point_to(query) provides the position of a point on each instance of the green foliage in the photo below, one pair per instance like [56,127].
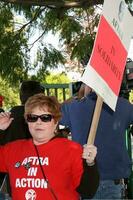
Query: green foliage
[49,57]
[76,28]
[15,62]
[70,28]
[11,96]
[83,47]
[58,78]
[13,59]
[50,20]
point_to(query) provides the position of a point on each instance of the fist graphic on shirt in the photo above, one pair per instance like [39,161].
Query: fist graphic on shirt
[30,195]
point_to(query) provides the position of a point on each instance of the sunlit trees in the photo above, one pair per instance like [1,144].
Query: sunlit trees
[75,27]
[74,21]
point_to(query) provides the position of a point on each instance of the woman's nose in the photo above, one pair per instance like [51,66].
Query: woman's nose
[39,121]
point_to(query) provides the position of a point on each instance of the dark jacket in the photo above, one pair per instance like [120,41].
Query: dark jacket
[112,157]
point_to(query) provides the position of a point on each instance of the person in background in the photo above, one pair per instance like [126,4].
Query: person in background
[113,161]
[83,91]
[1,110]
[39,169]
[18,129]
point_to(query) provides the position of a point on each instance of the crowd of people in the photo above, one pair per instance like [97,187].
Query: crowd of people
[49,165]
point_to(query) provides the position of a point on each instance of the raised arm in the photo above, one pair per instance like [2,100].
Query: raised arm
[5,120]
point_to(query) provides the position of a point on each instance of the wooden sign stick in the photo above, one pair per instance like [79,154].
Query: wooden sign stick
[95,120]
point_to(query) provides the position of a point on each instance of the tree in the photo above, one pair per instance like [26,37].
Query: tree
[63,3]
[57,4]
[69,25]
[74,21]
[10,94]
[12,57]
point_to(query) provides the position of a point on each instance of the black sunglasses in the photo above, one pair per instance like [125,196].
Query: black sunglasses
[34,118]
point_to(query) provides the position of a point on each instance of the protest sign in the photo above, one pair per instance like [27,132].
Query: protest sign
[105,68]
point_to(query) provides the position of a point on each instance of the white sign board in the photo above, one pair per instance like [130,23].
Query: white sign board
[105,68]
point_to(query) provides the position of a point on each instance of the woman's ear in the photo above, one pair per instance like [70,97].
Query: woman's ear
[56,128]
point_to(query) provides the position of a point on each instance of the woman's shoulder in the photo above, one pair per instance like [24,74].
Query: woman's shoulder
[18,143]
[69,143]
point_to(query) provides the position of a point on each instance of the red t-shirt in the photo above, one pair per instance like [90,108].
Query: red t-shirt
[61,160]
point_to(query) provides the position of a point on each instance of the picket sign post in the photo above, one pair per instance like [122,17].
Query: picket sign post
[95,120]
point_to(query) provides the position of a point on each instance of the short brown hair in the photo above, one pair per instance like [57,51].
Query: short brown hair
[41,101]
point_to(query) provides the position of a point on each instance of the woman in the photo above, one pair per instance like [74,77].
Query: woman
[46,166]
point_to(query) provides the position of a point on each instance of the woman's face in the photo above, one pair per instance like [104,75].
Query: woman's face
[41,131]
